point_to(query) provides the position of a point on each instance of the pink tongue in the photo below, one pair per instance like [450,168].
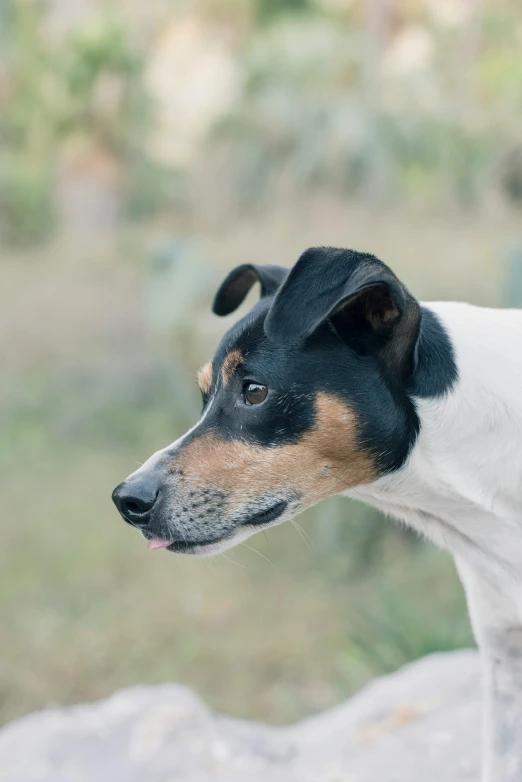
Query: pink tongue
[158,543]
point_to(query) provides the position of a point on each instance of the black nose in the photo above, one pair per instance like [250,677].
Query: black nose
[136,498]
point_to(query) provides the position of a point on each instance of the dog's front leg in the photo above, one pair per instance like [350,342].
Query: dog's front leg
[498,632]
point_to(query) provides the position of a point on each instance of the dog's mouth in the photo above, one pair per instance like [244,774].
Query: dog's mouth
[187,546]
[261,519]
[267,516]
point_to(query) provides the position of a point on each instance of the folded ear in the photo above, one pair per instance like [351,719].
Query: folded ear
[369,307]
[236,286]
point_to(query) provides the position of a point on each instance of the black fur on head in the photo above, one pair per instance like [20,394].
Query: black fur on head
[371,310]
[368,306]
[237,284]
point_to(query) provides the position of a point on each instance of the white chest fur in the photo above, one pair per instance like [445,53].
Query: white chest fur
[462,485]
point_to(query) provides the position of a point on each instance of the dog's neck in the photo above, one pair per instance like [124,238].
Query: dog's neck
[462,481]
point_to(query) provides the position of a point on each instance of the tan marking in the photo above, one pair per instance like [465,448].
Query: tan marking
[205,378]
[230,364]
[327,461]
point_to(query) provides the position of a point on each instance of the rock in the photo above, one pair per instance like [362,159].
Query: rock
[420,723]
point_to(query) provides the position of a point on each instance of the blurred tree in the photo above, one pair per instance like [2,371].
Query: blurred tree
[27,126]
[102,73]
[107,113]
[267,10]
[65,102]
[27,212]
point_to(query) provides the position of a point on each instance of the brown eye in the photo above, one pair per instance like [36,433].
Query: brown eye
[254,393]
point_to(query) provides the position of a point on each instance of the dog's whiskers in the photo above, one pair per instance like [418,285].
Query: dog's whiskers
[261,555]
[304,535]
[229,559]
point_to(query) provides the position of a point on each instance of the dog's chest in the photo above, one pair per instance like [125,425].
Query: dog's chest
[453,510]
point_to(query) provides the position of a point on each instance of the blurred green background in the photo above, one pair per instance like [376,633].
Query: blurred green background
[145,149]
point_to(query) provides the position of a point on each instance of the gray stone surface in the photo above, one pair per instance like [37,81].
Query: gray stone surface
[422,723]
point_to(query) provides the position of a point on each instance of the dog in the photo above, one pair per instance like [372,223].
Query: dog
[338,381]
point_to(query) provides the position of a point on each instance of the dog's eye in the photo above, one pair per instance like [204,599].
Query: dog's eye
[254,393]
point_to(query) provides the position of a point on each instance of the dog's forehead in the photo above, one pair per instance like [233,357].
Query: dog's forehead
[246,335]
[246,345]
[242,340]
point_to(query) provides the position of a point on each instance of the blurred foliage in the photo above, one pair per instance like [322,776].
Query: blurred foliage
[267,10]
[27,213]
[102,78]
[148,186]
[27,128]
[416,105]
[307,108]
[392,626]
[89,87]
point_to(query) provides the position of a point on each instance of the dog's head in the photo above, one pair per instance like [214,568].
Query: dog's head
[307,396]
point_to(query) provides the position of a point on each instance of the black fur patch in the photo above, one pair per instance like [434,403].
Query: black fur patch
[237,284]
[435,369]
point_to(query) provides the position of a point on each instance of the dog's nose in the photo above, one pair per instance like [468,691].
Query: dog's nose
[136,498]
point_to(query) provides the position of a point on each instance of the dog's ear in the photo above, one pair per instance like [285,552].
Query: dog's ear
[371,310]
[236,286]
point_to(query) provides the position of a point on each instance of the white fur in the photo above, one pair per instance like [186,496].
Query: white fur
[462,488]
